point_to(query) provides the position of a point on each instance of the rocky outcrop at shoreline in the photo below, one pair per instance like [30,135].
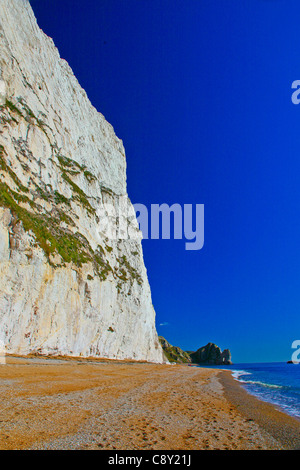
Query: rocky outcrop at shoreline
[209,354]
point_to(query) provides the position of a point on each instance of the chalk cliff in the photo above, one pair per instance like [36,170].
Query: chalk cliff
[65,286]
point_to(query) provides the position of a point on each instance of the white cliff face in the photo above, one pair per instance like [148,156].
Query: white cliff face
[64,287]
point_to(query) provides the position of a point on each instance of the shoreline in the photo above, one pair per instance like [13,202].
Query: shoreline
[54,404]
[279,424]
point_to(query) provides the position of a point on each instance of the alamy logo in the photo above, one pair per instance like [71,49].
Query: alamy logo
[125,221]
[296,354]
[296,95]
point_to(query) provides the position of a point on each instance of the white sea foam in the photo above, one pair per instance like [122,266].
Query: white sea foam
[238,373]
[263,384]
[283,393]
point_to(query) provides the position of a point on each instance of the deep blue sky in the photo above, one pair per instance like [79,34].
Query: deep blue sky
[200,93]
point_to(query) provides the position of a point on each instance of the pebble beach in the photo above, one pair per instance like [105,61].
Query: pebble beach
[73,403]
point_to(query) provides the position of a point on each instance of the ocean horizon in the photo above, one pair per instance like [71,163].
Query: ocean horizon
[277,383]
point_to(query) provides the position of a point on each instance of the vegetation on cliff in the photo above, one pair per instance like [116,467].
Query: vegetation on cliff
[54,229]
[174,353]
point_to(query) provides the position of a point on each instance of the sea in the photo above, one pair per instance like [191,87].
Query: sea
[276,382]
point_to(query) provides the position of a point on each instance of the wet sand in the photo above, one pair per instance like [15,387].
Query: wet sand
[87,404]
[284,428]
